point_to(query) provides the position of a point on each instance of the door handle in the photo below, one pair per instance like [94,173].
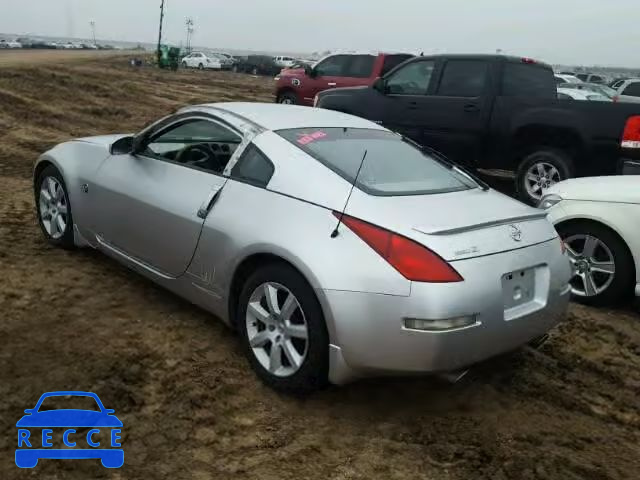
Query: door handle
[332,84]
[413,105]
[208,204]
[471,108]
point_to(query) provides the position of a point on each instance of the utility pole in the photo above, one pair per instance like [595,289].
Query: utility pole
[93,28]
[159,52]
[190,30]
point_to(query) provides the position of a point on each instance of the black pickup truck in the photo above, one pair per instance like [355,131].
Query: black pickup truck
[498,112]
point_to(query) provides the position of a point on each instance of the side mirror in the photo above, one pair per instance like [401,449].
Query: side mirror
[380,85]
[109,411]
[309,71]
[29,411]
[123,146]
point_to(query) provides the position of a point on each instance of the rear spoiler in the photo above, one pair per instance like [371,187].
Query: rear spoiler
[467,228]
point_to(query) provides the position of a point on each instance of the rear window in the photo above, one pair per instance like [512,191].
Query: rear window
[391,166]
[523,80]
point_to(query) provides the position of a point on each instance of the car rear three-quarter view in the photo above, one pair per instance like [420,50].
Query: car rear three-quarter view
[336,248]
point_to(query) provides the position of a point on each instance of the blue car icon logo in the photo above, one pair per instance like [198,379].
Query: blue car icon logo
[42,429]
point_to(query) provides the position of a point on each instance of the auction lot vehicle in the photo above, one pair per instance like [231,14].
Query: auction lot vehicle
[598,218]
[629,90]
[593,87]
[562,79]
[498,112]
[257,65]
[201,61]
[335,247]
[570,93]
[299,86]
[10,44]
[284,61]
[59,429]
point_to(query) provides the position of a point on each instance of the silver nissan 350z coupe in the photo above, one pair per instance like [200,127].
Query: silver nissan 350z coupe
[335,247]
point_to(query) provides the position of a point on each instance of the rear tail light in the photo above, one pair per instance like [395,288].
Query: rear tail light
[414,261]
[631,135]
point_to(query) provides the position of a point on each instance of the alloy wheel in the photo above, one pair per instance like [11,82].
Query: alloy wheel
[593,265]
[53,207]
[539,177]
[277,329]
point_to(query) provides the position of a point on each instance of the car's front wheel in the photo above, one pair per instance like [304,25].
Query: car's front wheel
[288,98]
[603,268]
[53,208]
[283,330]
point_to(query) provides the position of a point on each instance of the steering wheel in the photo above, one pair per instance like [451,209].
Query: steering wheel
[200,155]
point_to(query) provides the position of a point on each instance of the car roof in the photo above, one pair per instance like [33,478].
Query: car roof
[272,116]
[488,57]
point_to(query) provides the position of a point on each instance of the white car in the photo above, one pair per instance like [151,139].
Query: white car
[562,79]
[284,62]
[598,218]
[629,91]
[201,61]
[577,94]
[10,44]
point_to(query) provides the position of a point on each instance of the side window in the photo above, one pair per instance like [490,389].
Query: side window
[253,167]
[632,90]
[392,61]
[463,78]
[412,79]
[361,66]
[523,80]
[335,66]
[194,142]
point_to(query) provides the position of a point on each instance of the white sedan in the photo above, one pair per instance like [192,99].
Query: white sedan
[598,218]
[578,94]
[201,61]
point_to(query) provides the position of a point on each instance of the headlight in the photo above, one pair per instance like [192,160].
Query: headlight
[549,201]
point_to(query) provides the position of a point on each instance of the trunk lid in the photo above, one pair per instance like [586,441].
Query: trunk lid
[457,225]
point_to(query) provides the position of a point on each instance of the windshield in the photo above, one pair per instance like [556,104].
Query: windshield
[73,402]
[391,166]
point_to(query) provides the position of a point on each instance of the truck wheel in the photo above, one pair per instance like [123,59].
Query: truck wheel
[288,98]
[539,170]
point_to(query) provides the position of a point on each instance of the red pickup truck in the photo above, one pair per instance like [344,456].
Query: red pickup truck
[299,86]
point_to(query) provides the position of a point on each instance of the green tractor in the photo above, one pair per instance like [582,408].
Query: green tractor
[168,57]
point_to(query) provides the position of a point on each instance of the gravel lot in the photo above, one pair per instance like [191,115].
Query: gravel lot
[192,408]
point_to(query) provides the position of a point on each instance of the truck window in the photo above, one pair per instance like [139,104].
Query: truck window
[463,78]
[412,79]
[361,66]
[335,66]
[392,61]
[632,90]
[524,80]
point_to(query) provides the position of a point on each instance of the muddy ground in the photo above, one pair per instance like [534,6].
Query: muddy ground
[191,406]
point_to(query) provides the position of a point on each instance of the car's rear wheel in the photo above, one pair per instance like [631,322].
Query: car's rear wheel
[200,66]
[603,267]
[54,208]
[283,330]
[540,170]
[288,98]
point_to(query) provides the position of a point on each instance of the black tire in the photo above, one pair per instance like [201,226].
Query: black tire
[184,64]
[313,373]
[200,67]
[289,98]
[623,283]
[66,240]
[559,159]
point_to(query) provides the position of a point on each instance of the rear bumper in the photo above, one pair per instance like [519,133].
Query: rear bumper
[371,339]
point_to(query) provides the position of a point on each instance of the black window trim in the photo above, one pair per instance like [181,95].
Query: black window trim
[166,123]
[249,146]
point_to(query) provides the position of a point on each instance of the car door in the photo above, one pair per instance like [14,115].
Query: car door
[149,206]
[327,74]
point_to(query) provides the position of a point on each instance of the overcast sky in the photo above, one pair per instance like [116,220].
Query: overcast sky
[557,31]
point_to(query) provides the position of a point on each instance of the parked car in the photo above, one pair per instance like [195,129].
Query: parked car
[496,112]
[232,60]
[257,65]
[299,86]
[220,210]
[564,79]
[592,87]
[10,44]
[598,218]
[592,78]
[284,62]
[577,94]
[201,61]
[629,91]
[615,84]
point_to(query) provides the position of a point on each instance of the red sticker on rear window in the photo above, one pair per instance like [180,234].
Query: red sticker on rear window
[307,138]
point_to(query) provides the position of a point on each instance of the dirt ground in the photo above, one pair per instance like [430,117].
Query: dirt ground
[190,405]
